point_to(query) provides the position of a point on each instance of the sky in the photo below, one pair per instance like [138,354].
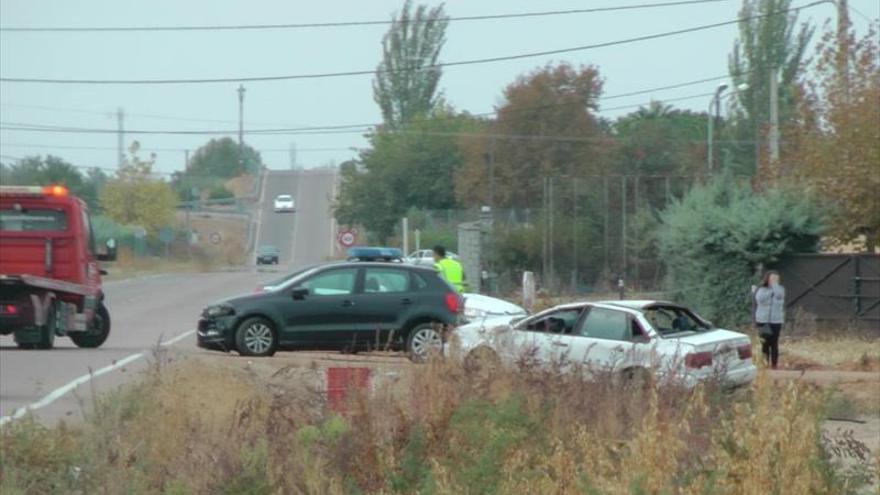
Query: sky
[320,102]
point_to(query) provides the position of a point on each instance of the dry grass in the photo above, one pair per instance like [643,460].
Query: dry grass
[847,352]
[197,428]
[129,266]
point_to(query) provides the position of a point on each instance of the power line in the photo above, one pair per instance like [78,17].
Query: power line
[520,56]
[239,27]
[107,148]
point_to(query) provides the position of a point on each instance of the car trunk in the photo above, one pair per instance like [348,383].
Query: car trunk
[723,345]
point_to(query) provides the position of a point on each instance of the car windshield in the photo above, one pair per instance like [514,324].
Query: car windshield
[669,320]
[267,249]
[27,220]
[284,198]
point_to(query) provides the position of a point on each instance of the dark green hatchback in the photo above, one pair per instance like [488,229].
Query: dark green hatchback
[349,306]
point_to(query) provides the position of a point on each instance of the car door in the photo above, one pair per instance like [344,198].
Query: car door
[324,316]
[387,300]
[609,340]
[541,338]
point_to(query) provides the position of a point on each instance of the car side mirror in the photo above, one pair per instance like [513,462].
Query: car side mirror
[110,252]
[299,293]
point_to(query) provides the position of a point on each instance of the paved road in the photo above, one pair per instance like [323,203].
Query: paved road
[147,310]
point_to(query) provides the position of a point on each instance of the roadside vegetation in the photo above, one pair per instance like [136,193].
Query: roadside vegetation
[440,428]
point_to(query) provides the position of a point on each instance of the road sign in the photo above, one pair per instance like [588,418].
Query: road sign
[346,238]
[216,238]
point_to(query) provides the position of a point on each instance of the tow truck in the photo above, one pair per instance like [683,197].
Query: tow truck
[50,277]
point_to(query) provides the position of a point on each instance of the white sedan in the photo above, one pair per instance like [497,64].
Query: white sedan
[284,203]
[622,337]
[425,257]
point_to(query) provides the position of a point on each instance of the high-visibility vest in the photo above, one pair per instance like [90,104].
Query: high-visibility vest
[452,271]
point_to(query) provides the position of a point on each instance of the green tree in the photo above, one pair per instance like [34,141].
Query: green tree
[660,140]
[545,127]
[766,42]
[411,168]
[406,82]
[713,239]
[220,158]
[136,197]
[52,170]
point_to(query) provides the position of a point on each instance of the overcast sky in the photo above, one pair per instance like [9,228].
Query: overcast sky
[318,102]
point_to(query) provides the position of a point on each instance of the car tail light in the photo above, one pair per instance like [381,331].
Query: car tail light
[8,309]
[453,302]
[697,360]
[744,351]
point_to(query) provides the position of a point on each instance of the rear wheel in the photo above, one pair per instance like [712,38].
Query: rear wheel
[256,337]
[45,332]
[98,331]
[423,340]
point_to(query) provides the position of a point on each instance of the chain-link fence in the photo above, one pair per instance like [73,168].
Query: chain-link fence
[579,234]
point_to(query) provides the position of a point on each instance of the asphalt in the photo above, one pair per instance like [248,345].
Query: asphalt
[149,310]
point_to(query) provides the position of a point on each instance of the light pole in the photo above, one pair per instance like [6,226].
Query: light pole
[712,118]
[710,126]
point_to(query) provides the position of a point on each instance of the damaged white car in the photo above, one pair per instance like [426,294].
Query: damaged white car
[626,338]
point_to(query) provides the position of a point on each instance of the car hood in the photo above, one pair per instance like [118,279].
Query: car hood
[240,300]
[710,338]
[491,305]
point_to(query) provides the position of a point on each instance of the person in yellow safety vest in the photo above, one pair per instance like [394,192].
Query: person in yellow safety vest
[449,269]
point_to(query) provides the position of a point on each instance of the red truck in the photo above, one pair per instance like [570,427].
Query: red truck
[50,279]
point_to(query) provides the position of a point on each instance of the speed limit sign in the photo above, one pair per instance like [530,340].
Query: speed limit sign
[346,238]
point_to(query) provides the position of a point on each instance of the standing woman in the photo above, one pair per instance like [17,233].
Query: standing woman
[770,315]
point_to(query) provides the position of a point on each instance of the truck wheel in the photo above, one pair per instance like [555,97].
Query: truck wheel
[256,337]
[97,334]
[422,340]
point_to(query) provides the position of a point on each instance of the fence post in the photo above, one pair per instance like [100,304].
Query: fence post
[528,291]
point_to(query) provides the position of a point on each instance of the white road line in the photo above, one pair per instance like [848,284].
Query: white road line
[65,389]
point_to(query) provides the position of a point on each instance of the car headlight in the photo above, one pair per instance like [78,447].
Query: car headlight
[219,310]
[474,313]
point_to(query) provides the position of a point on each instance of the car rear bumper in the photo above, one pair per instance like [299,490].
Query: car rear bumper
[742,375]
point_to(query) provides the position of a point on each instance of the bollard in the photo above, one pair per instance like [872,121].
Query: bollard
[528,291]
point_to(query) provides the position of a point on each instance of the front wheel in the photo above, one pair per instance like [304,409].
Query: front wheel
[98,331]
[256,337]
[423,340]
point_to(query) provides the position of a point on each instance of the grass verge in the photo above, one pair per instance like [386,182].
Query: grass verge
[441,429]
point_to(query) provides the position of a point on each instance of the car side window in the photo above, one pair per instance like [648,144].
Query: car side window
[332,283]
[560,322]
[418,282]
[382,280]
[606,324]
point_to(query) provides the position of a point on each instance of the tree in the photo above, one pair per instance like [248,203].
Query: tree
[52,170]
[660,140]
[714,238]
[766,43]
[545,127]
[403,169]
[220,159]
[838,136]
[135,197]
[406,80]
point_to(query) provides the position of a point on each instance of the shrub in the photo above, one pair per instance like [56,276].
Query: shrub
[714,238]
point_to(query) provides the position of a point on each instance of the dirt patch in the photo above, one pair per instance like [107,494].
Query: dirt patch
[865,363]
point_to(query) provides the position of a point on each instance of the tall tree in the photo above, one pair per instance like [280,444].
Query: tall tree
[769,40]
[219,158]
[411,168]
[838,136]
[136,197]
[407,78]
[545,127]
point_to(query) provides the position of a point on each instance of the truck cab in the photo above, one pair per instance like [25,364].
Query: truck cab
[50,276]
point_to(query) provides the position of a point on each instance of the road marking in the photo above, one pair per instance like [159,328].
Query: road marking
[65,389]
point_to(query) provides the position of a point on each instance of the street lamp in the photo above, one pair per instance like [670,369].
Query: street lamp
[711,119]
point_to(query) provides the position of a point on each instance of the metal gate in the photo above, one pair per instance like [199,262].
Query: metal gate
[837,288]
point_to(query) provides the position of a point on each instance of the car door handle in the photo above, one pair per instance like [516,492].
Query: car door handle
[406,301]
[347,303]
[560,344]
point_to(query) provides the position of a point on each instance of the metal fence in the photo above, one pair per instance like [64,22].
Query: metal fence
[578,234]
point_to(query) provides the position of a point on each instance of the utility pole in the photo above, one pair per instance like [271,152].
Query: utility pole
[120,136]
[843,25]
[492,169]
[774,115]
[292,156]
[241,91]
[185,160]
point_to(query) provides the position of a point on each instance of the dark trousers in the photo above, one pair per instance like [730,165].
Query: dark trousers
[770,345]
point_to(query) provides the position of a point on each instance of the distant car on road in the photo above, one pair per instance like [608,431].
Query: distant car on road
[627,338]
[284,203]
[346,306]
[267,255]
[425,257]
